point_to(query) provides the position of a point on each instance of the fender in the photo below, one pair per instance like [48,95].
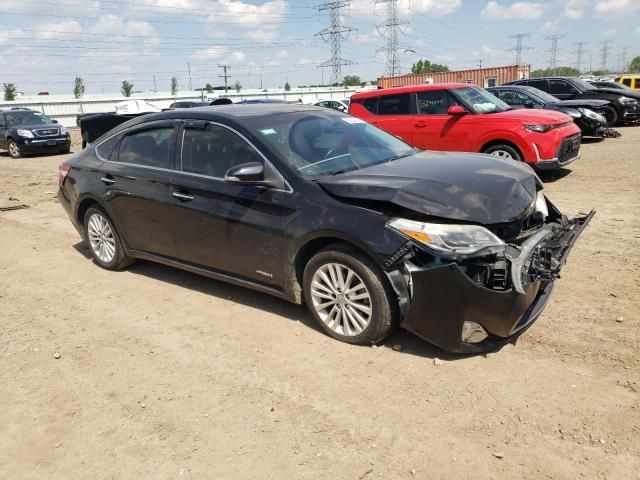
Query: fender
[510,136]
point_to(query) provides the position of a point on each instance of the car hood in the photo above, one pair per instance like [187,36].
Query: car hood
[465,187]
[529,115]
[581,103]
[621,93]
[36,127]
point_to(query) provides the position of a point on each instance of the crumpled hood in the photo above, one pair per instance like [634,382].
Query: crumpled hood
[461,186]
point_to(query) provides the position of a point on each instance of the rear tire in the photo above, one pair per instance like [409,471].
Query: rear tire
[611,115]
[349,296]
[103,240]
[14,149]
[504,150]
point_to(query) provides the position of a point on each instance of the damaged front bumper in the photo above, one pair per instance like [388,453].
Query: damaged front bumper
[444,297]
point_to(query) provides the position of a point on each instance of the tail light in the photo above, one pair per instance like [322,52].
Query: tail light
[64,169]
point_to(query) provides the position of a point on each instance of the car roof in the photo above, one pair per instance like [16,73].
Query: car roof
[411,88]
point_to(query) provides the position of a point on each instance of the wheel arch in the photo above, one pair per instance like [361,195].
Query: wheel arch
[502,141]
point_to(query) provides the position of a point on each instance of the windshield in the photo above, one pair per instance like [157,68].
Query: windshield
[318,144]
[582,85]
[544,96]
[26,118]
[479,100]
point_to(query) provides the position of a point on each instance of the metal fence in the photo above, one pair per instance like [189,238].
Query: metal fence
[65,109]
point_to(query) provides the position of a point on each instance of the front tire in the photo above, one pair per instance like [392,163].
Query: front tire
[103,240]
[349,296]
[611,115]
[14,149]
[504,150]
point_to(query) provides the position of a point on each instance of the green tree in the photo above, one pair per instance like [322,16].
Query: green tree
[174,86]
[425,66]
[78,88]
[558,71]
[209,88]
[351,81]
[237,86]
[634,66]
[9,91]
[127,88]
[287,87]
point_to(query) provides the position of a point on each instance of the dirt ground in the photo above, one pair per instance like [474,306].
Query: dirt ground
[164,374]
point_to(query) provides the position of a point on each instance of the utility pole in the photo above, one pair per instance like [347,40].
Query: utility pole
[155,85]
[553,51]
[579,52]
[623,59]
[334,35]
[604,54]
[480,60]
[225,75]
[519,48]
[189,69]
[390,30]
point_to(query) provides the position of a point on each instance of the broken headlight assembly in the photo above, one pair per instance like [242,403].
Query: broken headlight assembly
[449,240]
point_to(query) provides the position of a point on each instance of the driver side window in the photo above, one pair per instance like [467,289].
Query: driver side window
[514,98]
[214,150]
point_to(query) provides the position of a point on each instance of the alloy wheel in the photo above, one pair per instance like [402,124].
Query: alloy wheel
[341,299]
[14,150]
[502,154]
[101,238]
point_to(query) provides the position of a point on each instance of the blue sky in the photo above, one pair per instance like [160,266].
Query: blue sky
[46,43]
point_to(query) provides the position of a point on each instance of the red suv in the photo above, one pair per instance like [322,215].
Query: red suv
[462,117]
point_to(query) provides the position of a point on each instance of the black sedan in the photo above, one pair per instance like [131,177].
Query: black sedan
[625,106]
[315,206]
[587,114]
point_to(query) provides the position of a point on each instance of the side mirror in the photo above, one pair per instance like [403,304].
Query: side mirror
[251,173]
[54,121]
[529,104]
[456,110]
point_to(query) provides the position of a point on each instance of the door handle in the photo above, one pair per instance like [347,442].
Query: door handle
[420,125]
[108,180]
[185,197]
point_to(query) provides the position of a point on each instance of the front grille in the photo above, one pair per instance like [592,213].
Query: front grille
[47,132]
[569,148]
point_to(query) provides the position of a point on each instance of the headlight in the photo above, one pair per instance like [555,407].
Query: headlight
[25,133]
[541,205]
[63,131]
[446,239]
[574,113]
[591,114]
[539,128]
[628,101]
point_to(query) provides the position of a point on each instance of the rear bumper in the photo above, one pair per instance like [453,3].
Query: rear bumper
[445,297]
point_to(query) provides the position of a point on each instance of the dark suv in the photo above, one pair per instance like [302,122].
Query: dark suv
[625,106]
[25,132]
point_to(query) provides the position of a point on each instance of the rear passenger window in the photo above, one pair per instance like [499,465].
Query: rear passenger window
[434,102]
[215,150]
[394,104]
[627,82]
[539,84]
[371,104]
[105,149]
[560,87]
[149,148]
[511,97]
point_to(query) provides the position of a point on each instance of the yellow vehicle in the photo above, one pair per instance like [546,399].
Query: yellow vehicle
[631,81]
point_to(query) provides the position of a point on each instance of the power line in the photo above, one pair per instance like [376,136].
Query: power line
[390,30]
[553,51]
[604,54]
[334,35]
[579,52]
[519,48]
[623,60]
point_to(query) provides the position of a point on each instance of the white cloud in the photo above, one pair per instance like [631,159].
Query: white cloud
[574,9]
[550,25]
[518,11]
[637,30]
[262,36]
[435,8]
[608,33]
[238,56]
[616,7]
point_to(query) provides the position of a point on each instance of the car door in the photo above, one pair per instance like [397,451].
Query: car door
[136,179]
[230,228]
[434,128]
[3,132]
[562,89]
[393,114]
